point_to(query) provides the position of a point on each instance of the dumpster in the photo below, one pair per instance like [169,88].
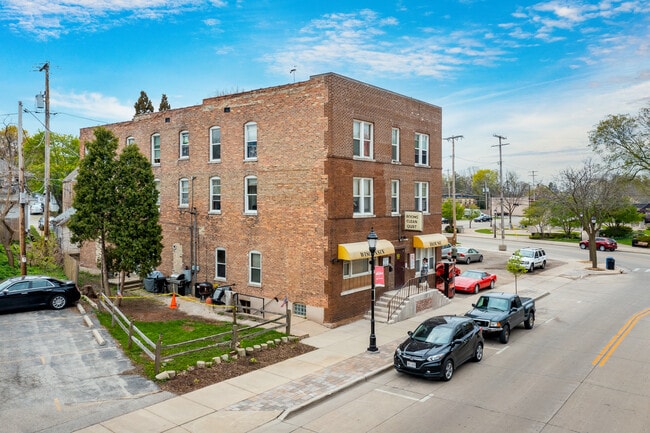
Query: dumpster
[609,263]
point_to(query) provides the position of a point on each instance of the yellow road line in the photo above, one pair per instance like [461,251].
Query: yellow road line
[609,349]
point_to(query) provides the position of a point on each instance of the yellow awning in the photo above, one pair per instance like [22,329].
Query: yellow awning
[359,250]
[430,241]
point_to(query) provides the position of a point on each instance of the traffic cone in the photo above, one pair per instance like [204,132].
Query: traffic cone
[173,303]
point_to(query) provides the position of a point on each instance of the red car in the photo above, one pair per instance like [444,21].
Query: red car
[473,281]
[601,243]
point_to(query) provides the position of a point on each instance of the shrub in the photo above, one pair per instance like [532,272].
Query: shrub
[616,232]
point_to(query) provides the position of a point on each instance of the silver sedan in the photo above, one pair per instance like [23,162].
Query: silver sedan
[468,255]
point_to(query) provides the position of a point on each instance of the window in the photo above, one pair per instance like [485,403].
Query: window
[395,145]
[362,196]
[394,197]
[130,140]
[184,192]
[157,183]
[184,144]
[362,139]
[255,268]
[356,268]
[300,310]
[422,196]
[215,195]
[220,264]
[215,143]
[250,194]
[421,149]
[155,149]
[250,136]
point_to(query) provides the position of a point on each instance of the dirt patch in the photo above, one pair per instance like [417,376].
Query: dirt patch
[148,310]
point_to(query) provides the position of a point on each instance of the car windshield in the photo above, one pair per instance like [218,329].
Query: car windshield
[526,253]
[492,303]
[433,334]
[476,275]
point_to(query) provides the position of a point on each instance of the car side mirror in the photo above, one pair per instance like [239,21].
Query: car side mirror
[474,305]
[410,333]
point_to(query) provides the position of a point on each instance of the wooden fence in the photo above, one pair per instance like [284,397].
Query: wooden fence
[228,339]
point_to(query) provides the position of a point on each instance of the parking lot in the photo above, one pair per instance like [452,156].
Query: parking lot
[56,376]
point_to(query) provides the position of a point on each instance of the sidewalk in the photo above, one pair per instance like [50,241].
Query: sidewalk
[247,402]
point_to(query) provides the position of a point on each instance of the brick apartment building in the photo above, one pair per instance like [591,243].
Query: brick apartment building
[276,190]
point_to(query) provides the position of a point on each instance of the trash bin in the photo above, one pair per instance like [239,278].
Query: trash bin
[203,290]
[155,282]
[609,263]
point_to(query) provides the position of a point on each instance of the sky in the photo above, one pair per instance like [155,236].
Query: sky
[542,74]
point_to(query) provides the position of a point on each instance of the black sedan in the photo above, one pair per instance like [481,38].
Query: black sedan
[438,346]
[37,291]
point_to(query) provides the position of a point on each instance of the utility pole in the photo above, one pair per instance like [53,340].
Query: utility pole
[502,247]
[532,173]
[21,193]
[453,139]
[46,180]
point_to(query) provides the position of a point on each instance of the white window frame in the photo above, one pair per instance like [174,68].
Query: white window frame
[157,184]
[250,137]
[362,147]
[248,205]
[421,149]
[252,268]
[215,146]
[395,157]
[218,264]
[130,140]
[184,144]
[356,268]
[394,197]
[362,196]
[422,197]
[215,194]
[184,192]
[155,149]
[430,254]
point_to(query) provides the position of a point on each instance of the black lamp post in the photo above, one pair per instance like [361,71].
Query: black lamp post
[372,246]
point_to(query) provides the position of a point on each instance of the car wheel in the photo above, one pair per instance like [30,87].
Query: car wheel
[478,352]
[583,246]
[492,284]
[480,258]
[544,264]
[530,322]
[505,334]
[58,302]
[448,370]
[531,268]
[476,289]
[601,248]
[468,261]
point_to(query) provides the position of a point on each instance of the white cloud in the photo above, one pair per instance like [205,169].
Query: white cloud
[93,105]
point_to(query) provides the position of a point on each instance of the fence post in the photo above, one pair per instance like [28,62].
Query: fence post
[130,335]
[156,367]
[288,322]
[233,340]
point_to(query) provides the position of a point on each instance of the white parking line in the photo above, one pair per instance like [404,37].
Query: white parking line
[399,395]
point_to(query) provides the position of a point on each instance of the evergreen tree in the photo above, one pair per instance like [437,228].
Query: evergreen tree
[164,104]
[94,199]
[143,104]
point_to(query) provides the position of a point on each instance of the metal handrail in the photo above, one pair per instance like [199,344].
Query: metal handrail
[412,287]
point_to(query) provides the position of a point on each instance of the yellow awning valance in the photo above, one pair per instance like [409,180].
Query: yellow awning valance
[430,241]
[359,250]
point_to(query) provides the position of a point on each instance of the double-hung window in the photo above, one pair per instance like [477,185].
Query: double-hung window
[394,197]
[362,139]
[250,195]
[362,196]
[255,268]
[215,195]
[422,196]
[157,184]
[250,138]
[220,264]
[130,140]
[215,143]
[421,149]
[184,192]
[184,144]
[395,145]
[155,149]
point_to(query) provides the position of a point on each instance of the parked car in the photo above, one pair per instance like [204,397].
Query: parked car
[446,251]
[473,281]
[532,258]
[468,255]
[36,208]
[37,291]
[602,244]
[482,218]
[438,346]
[499,313]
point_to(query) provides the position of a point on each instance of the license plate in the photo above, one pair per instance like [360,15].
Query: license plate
[410,364]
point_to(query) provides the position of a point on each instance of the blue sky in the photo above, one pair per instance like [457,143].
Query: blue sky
[541,73]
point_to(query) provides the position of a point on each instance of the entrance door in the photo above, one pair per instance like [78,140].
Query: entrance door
[400,269]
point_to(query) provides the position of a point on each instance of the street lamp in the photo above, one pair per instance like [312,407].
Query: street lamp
[372,246]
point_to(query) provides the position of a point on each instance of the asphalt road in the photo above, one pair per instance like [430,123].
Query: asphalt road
[57,378]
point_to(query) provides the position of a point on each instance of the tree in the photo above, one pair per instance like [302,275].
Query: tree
[64,158]
[447,210]
[8,154]
[538,214]
[514,266]
[164,104]
[485,183]
[513,192]
[143,104]
[95,193]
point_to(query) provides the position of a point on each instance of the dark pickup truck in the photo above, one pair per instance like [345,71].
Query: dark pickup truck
[500,312]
